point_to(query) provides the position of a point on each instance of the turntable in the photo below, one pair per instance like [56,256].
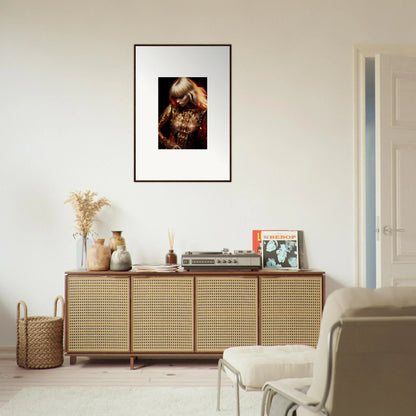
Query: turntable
[221,260]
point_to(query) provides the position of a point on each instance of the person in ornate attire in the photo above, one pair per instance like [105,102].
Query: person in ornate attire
[186,115]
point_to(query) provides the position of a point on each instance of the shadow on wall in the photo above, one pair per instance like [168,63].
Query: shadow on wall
[331,285]
[7,326]
[303,255]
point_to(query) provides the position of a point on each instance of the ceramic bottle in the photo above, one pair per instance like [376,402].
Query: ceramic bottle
[116,240]
[120,259]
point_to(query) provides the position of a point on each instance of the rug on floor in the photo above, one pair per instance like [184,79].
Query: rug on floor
[129,401]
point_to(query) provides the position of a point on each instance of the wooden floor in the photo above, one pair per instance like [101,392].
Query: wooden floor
[108,372]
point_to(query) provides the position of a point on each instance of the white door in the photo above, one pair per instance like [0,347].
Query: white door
[396,170]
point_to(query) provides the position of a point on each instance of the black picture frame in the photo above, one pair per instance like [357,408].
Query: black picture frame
[199,149]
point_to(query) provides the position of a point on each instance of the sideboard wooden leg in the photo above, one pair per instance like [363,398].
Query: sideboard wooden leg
[72,360]
[131,363]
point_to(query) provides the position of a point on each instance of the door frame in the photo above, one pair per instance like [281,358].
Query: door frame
[361,52]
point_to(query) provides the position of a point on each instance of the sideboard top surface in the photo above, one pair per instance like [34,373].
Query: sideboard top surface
[260,272]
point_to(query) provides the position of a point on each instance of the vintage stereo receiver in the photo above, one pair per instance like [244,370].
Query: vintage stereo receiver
[221,260]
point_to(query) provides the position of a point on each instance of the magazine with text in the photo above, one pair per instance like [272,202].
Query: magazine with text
[278,248]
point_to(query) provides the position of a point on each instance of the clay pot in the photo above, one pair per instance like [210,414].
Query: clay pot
[98,256]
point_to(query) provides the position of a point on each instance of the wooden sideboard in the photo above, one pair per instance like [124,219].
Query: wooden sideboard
[136,314]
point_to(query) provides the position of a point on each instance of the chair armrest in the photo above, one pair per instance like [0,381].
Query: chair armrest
[289,388]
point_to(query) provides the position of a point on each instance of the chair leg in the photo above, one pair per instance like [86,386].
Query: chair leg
[220,366]
[263,403]
[237,391]
[266,401]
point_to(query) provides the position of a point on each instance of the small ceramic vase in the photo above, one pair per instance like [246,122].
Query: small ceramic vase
[120,259]
[116,240]
[98,256]
[171,258]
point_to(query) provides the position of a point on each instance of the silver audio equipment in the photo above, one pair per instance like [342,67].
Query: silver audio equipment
[221,260]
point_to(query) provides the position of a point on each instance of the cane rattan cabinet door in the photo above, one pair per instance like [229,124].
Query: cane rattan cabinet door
[162,314]
[97,314]
[290,309]
[226,312]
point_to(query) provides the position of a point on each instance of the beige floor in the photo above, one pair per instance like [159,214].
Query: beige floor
[108,372]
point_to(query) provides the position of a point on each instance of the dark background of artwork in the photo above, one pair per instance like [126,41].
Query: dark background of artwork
[164,86]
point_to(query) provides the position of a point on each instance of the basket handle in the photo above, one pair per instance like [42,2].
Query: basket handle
[21,303]
[24,363]
[59,298]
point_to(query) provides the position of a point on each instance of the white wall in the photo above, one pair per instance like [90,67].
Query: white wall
[66,85]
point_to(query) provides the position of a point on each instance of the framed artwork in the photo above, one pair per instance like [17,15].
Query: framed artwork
[182,113]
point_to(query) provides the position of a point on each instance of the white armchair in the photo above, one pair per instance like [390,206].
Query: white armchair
[365,362]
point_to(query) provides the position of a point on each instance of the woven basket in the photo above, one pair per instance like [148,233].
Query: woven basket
[40,339]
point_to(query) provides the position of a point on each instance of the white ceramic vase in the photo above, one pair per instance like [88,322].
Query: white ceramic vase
[120,259]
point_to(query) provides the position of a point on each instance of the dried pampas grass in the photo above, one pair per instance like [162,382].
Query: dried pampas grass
[86,208]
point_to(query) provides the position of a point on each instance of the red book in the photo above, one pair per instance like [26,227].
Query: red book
[257,241]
